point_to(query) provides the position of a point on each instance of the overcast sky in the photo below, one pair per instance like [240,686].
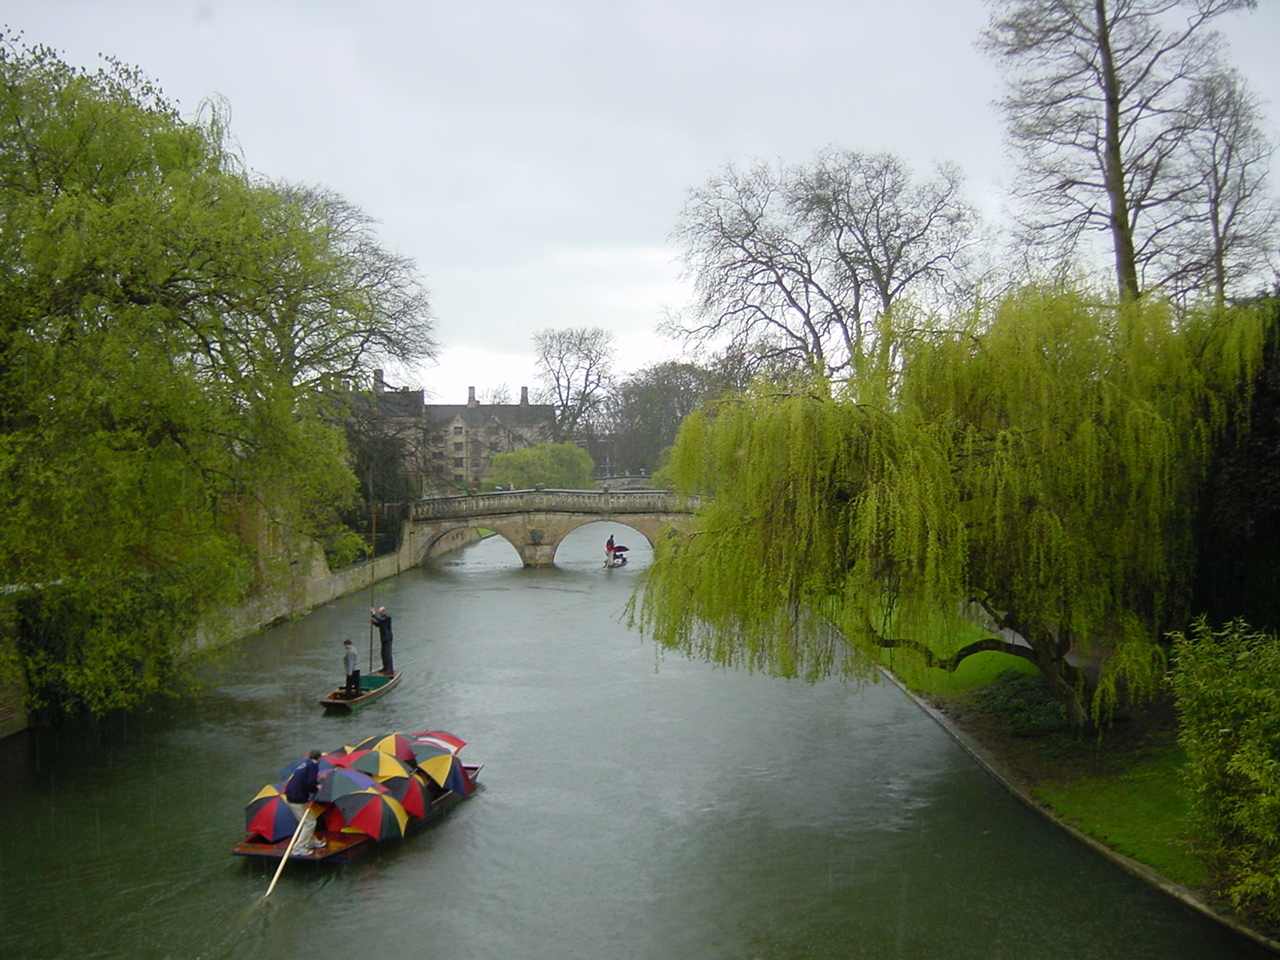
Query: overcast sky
[532,155]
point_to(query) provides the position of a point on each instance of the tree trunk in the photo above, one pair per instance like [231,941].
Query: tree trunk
[1113,174]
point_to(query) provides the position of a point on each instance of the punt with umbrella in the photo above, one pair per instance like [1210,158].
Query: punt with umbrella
[376,790]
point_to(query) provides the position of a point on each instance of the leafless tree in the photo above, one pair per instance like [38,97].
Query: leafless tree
[1106,100]
[575,365]
[793,265]
[1231,226]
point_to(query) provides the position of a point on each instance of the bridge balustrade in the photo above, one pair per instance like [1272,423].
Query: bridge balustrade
[559,501]
[535,521]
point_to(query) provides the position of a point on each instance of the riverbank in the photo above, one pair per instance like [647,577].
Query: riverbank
[1122,796]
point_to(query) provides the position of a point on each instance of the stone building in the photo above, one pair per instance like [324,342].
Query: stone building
[448,447]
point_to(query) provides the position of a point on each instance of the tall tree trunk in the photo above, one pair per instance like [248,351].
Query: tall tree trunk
[1121,225]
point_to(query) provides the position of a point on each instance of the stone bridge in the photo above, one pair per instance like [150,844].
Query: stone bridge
[535,521]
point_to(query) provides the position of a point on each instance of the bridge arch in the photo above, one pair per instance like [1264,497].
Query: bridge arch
[536,521]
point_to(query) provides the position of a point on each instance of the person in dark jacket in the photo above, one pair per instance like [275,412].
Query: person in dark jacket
[382,620]
[299,790]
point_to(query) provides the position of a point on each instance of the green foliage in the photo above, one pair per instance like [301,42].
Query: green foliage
[166,323]
[650,406]
[106,646]
[1224,682]
[563,466]
[1034,467]
[1025,703]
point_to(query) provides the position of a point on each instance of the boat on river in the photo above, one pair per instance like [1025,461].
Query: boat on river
[383,788]
[372,686]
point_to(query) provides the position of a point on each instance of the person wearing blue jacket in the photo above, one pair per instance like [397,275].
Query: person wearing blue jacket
[299,790]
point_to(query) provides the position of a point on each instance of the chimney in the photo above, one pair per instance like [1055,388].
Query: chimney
[524,396]
[379,385]
[471,397]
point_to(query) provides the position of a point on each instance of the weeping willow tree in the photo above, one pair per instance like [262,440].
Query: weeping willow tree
[1022,481]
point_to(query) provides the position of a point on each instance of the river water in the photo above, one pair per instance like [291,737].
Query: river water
[633,806]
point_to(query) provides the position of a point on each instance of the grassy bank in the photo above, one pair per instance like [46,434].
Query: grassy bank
[1124,789]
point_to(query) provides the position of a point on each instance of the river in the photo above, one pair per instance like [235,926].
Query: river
[634,806]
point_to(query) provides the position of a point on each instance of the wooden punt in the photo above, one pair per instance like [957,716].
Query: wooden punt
[372,686]
[343,847]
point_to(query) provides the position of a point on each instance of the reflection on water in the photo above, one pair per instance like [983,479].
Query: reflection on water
[634,806]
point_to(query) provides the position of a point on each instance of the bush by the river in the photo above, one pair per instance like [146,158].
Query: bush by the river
[1225,684]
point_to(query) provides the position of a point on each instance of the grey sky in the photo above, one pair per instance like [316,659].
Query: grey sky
[532,155]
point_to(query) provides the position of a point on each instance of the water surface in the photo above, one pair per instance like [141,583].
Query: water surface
[633,806]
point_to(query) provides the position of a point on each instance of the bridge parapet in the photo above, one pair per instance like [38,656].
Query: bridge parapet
[535,521]
[554,501]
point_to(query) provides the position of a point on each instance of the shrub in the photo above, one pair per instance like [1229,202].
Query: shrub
[1225,688]
[1025,703]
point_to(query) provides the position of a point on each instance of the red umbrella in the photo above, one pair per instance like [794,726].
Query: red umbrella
[374,812]
[396,744]
[340,781]
[438,738]
[269,815]
[375,763]
[411,794]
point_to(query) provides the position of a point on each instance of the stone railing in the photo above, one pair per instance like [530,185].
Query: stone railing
[506,503]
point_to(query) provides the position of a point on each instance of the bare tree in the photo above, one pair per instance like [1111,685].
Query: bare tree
[793,265]
[1105,99]
[1231,227]
[575,365]
[501,394]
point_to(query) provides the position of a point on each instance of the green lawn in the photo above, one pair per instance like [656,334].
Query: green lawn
[1125,790]
[1139,808]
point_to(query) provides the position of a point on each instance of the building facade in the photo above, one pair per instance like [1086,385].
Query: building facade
[448,448]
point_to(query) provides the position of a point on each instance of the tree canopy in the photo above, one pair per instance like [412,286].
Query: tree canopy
[575,365]
[649,406]
[794,265]
[1022,480]
[1128,122]
[167,323]
[565,466]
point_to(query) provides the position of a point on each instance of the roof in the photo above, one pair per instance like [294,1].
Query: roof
[507,414]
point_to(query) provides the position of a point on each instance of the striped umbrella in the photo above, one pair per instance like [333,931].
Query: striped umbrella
[375,763]
[340,781]
[269,815]
[396,744]
[374,812]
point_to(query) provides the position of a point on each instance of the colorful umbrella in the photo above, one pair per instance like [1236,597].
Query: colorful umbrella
[438,738]
[435,762]
[396,744]
[411,794]
[326,762]
[269,815]
[340,781]
[374,812]
[459,781]
[446,771]
[375,763]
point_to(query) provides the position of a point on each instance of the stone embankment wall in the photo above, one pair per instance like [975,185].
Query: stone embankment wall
[302,584]
[309,583]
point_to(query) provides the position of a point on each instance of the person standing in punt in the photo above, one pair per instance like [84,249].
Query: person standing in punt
[382,620]
[299,791]
[351,664]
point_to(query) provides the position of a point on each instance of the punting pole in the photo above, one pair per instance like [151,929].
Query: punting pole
[287,851]
[373,561]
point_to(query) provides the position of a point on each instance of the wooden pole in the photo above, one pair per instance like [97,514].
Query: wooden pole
[288,851]
[373,553]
